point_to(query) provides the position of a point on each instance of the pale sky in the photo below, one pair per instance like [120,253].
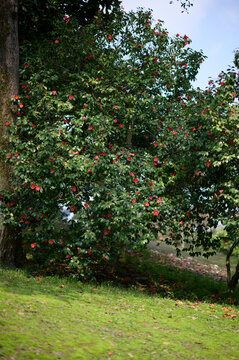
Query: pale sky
[212,25]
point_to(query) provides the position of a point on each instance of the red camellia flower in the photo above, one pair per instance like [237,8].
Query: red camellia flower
[156,212]
[131,174]
[72,208]
[21,105]
[135,180]
[207,163]
[90,127]
[53,92]
[33,245]
[32,186]
[50,242]
[11,203]
[146,204]
[38,188]
[26,65]
[134,201]
[110,37]
[56,41]
[7,123]
[86,205]
[106,232]
[67,256]
[73,188]
[52,171]
[71,97]
[51,159]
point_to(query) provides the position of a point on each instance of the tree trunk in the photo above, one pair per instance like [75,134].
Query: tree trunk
[10,243]
[231,280]
[232,283]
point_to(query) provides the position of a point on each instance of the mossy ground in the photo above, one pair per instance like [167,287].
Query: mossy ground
[54,318]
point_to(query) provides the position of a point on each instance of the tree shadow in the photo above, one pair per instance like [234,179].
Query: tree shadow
[152,272]
[144,272]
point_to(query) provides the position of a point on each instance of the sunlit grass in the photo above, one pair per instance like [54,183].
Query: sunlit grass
[54,318]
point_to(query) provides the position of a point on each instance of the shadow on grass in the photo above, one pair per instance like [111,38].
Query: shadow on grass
[150,272]
[145,272]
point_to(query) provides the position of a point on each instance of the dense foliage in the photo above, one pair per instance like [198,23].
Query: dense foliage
[112,145]
[36,17]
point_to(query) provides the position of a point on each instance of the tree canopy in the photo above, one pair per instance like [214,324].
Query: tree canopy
[36,17]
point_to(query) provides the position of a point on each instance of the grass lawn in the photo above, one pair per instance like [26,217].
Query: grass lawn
[55,318]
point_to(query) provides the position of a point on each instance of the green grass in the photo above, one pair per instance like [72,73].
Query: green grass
[54,318]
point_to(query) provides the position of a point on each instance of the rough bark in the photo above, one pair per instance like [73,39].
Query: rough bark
[130,134]
[10,244]
[232,281]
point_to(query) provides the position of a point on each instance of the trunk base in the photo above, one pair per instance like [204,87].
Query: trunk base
[11,251]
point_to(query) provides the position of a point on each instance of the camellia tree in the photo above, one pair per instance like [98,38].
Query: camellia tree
[212,117]
[31,22]
[219,150]
[109,130]
[97,104]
